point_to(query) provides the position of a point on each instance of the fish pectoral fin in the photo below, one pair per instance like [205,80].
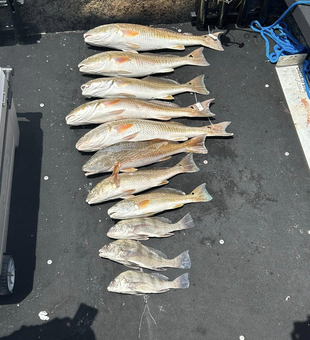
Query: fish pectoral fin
[178,206]
[123,127]
[122,83]
[166,70]
[108,103]
[116,112]
[128,194]
[128,33]
[129,170]
[168,97]
[167,235]
[179,139]
[133,46]
[130,137]
[163,183]
[178,47]
[163,118]
[128,95]
[121,59]
[143,204]
[164,159]
[123,73]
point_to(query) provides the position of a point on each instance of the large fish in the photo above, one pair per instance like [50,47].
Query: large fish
[130,155]
[129,64]
[134,254]
[144,227]
[142,130]
[158,200]
[105,110]
[139,283]
[146,88]
[132,37]
[126,184]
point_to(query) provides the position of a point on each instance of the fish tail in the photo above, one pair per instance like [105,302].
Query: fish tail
[196,145]
[186,222]
[200,194]
[197,58]
[183,260]
[218,130]
[197,85]
[212,41]
[187,164]
[201,109]
[181,281]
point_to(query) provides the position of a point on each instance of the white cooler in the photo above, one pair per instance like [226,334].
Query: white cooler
[9,139]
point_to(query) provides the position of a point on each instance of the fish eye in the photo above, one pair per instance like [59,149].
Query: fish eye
[192,107]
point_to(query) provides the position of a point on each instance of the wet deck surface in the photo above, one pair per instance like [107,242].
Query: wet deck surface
[250,247]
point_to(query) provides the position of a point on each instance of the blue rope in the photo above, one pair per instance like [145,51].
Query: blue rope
[286,43]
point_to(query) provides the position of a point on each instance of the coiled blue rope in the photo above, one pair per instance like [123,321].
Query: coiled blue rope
[286,43]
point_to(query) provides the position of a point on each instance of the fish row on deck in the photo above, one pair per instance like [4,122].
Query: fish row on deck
[128,137]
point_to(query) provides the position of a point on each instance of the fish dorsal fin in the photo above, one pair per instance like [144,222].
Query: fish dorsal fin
[169,191]
[163,103]
[161,219]
[158,252]
[160,276]
[162,81]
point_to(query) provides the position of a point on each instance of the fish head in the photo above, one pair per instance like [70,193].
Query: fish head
[108,251]
[122,210]
[118,285]
[99,162]
[97,87]
[95,64]
[119,230]
[81,114]
[95,139]
[101,35]
[102,192]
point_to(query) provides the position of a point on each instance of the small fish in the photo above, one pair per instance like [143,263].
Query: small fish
[142,130]
[144,227]
[139,283]
[131,155]
[134,254]
[126,184]
[158,200]
[132,37]
[105,110]
[146,88]
[128,64]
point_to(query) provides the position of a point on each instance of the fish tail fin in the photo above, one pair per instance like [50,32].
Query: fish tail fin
[186,222]
[197,58]
[197,85]
[181,281]
[183,260]
[187,164]
[218,130]
[200,194]
[201,109]
[196,145]
[212,41]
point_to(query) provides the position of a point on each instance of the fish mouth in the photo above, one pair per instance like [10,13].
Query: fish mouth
[70,119]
